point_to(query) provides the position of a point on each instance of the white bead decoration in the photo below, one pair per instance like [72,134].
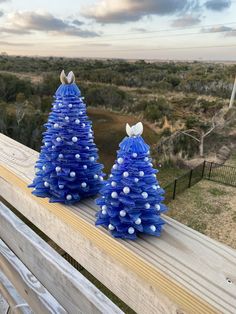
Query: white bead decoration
[72,174]
[154,187]
[56,125]
[60,105]
[67,118]
[85,166]
[126,190]
[58,169]
[104,212]
[69,197]
[113,183]
[44,167]
[153,228]
[53,146]
[150,164]
[131,230]
[114,195]
[157,206]
[46,184]
[47,144]
[125,174]
[61,186]
[138,221]
[122,213]
[77,121]
[83,184]
[147,205]
[136,180]
[158,186]
[120,160]
[101,178]
[146,159]
[111,227]
[141,173]
[134,155]
[115,166]
[87,147]
[144,195]
[92,158]
[83,125]
[60,156]
[95,176]
[70,105]
[77,156]
[74,139]
[104,207]
[81,112]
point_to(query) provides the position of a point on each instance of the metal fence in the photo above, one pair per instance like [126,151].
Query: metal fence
[206,170]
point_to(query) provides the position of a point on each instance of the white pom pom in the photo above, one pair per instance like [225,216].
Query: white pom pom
[70,105]
[61,186]
[77,121]
[101,178]
[69,197]
[138,221]
[111,227]
[104,207]
[83,125]
[146,159]
[60,156]
[85,166]
[157,206]
[120,160]
[154,175]
[44,168]
[147,205]
[92,158]
[95,176]
[153,228]
[141,173]
[90,135]
[134,155]
[83,184]
[113,183]
[53,146]
[87,147]
[144,195]
[72,174]
[104,212]
[115,166]
[58,139]
[67,118]
[122,213]
[46,184]
[111,175]
[150,164]
[56,125]
[77,156]
[58,169]
[126,190]
[158,187]
[114,195]
[60,105]
[125,174]
[136,180]
[131,230]
[154,187]
[81,112]
[74,139]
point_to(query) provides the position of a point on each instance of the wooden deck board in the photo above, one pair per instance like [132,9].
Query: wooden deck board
[182,270]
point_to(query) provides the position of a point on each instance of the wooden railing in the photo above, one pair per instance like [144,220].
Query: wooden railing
[183,271]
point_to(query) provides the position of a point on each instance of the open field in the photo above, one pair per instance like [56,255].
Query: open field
[209,208]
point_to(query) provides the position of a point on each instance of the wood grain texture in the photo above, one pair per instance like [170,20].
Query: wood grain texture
[12,297]
[35,294]
[181,271]
[73,291]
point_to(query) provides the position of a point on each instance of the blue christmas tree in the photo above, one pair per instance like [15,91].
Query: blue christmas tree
[67,168]
[131,201]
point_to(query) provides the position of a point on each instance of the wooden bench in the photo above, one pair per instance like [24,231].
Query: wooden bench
[183,271]
[45,281]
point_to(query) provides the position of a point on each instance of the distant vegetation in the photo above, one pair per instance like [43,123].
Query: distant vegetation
[170,95]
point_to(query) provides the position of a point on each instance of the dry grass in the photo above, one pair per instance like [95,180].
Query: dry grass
[209,208]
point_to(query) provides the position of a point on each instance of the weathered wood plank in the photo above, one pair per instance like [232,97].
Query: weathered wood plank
[74,292]
[35,294]
[182,270]
[12,297]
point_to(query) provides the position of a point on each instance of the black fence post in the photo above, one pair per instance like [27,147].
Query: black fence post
[174,191]
[203,168]
[190,178]
[209,175]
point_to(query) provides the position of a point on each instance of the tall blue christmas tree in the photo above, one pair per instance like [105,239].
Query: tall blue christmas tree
[131,201]
[67,168]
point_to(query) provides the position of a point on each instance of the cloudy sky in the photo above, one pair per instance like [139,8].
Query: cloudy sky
[136,29]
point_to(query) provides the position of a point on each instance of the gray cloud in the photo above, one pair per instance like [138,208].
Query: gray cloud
[217,5]
[7,43]
[217,29]
[27,22]
[77,22]
[1,13]
[111,11]
[186,20]
[139,29]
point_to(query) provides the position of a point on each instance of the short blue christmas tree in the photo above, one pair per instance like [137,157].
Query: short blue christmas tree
[131,201]
[67,168]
